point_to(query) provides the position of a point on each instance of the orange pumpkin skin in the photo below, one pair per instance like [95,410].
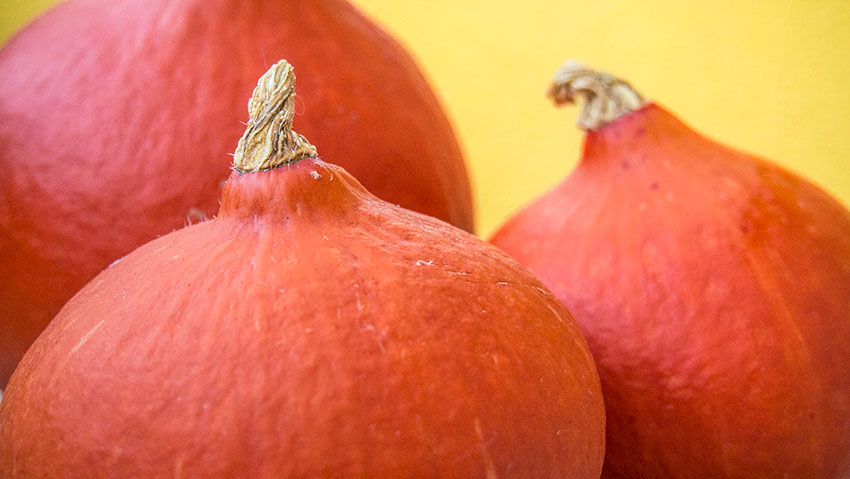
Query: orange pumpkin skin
[310,330]
[714,291]
[102,101]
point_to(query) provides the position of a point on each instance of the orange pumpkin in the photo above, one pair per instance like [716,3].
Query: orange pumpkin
[309,330]
[102,102]
[713,288]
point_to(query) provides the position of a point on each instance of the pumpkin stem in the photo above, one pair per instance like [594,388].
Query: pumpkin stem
[606,97]
[269,141]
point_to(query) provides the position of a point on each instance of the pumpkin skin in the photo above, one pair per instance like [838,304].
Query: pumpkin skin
[309,330]
[102,101]
[714,291]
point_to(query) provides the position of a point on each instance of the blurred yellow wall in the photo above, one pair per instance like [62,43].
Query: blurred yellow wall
[769,77]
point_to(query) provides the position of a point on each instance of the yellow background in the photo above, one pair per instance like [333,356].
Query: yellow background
[769,77]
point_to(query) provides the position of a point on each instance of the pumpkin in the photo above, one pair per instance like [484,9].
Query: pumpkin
[101,102]
[713,288]
[309,330]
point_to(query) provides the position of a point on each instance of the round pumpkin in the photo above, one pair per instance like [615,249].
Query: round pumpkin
[309,330]
[101,102]
[713,288]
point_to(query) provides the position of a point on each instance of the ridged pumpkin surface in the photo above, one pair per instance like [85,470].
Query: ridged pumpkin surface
[714,292]
[310,330]
[102,101]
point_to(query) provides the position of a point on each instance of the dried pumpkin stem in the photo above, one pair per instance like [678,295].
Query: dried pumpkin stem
[606,97]
[269,141]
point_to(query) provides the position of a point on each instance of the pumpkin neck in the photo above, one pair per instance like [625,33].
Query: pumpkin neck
[269,141]
[307,190]
[647,137]
[606,97]
[293,182]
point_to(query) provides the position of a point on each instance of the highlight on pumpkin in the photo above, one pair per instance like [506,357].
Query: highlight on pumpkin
[269,141]
[606,97]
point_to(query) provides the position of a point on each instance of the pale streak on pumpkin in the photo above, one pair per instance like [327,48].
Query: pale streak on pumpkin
[490,470]
[606,97]
[87,336]
[269,141]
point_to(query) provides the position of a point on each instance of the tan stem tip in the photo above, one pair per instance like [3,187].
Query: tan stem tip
[606,97]
[269,141]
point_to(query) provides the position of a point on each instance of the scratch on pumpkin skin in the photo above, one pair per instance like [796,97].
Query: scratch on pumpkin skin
[86,337]
[555,312]
[381,341]
[490,468]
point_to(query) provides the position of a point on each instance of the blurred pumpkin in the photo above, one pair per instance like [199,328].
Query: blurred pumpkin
[101,102]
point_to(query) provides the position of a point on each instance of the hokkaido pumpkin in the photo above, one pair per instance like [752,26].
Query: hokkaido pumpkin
[309,330]
[102,101]
[713,289]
